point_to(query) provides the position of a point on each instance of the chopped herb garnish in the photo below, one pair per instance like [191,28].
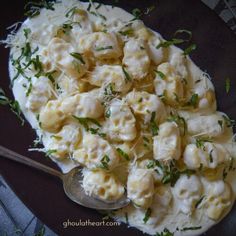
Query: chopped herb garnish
[153,125]
[103,48]
[201,141]
[98,15]
[29,89]
[227,85]
[105,160]
[96,131]
[84,121]
[14,105]
[228,122]
[180,121]
[189,49]
[193,101]
[27,31]
[108,113]
[89,7]
[78,56]
[147,215]
[32,8]
[98,6]
[128,32]
[50,152]
[71,12]
[165,232]
[137,13]
[127,76]
[166,44]
[123,154]
[191,228]
[161,75]
[199,201]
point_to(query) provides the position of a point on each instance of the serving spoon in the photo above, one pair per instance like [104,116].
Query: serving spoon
[71,183]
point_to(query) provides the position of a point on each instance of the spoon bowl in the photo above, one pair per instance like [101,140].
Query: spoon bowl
[72,183]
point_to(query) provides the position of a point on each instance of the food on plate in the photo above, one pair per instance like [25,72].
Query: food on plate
[105,92]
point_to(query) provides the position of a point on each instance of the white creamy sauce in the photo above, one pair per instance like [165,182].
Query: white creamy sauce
[173,208]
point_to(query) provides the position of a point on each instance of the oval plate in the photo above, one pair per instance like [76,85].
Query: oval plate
[216,53]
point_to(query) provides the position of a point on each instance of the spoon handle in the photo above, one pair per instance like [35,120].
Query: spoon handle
[4,152]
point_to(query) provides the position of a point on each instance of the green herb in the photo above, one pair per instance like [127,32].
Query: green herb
[228,122]
[32,8]
[103,48]
[98,6]
[108,113]
[165,232]
[96,131]
[227,85]
[127,76]
[78,56]
[89,7]
[166,44]
[161,75]
[49,75]
[126,218]
[128,32]
[50,152]
[14,105]
[153,163]
[147,215]
[193,100]
[98,15]
[184,31]
[105,160]
[29,89]
[201,141]
[171,173]
[71,12]
[191,228]
[153,125]
[180,121]
[189,49]
[137,13]
[123,154]
[84,121]
[199,201]
[27,31]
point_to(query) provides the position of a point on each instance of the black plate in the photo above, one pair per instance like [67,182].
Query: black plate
[44,195]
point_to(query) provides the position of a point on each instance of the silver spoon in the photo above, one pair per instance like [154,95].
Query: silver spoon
[71,183]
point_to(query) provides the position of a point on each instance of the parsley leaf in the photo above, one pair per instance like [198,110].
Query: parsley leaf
[105,160]
[153,125]
[147,215]
[78,56]
[127,76]
[123,154]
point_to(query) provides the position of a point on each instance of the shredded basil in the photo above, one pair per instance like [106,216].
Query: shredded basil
[103,48]
[191,228]
[166,44]
[165,232]
[189,49]
[32,8]
[104,162]
[161,75]
[14,105]
[147,215]
[123,154]
[84,121]
[78,56]
[127,76]
[180,121]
